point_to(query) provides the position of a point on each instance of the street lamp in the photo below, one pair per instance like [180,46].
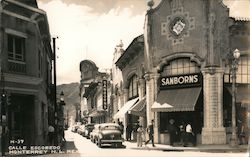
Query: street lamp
[62,97]
[234,68]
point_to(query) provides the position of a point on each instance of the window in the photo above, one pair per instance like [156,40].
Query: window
[16,48]
[179,67]
[243,72]
[133,87]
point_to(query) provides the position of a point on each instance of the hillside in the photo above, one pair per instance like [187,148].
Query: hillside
[71,98]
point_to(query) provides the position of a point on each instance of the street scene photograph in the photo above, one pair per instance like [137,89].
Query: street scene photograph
[127,78]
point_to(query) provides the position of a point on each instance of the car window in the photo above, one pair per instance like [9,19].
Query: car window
[110,128]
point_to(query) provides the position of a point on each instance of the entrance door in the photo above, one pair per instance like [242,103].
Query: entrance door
[21,118]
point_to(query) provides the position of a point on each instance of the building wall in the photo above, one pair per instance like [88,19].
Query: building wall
[32,77]
[200,24]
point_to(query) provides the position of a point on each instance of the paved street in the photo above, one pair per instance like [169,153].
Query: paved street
[78,146]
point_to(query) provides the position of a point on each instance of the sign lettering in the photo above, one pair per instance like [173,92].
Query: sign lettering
[180,80]
[104,95]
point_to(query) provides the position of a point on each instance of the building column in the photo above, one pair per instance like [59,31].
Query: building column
[125,120]
[151,94]
[142,120]
[213,131]
[141,88]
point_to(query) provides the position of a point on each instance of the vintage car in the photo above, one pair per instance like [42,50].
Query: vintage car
[107,133]
[88,129]
[81,129]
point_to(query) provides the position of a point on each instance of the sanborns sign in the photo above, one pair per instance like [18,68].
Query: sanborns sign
[180,80]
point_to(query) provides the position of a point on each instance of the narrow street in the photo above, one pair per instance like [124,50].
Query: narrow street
[78,146]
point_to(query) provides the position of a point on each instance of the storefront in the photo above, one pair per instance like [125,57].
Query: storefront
[180,97]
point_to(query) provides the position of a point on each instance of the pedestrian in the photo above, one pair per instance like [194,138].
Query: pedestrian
[121,127]
[241,133]
[129,130]
[150,131]
[189,135]
[61,132]
[51,131]
[139,136]
[182,133]
[173,131]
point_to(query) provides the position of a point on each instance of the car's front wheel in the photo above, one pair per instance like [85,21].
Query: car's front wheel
[99,143]
[119,145]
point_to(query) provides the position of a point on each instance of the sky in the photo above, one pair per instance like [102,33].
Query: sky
[91,29]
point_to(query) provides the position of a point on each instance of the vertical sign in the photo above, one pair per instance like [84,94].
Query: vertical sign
[104,95]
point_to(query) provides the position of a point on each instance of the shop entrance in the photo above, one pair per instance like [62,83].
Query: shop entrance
[195,118]
[21,118]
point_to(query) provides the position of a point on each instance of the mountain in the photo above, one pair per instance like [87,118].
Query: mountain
[71,99]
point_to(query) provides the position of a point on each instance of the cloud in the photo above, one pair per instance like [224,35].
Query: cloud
[239,8]
[84,34]
[90,29]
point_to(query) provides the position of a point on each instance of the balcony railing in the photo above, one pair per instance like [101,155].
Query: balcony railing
[16,66]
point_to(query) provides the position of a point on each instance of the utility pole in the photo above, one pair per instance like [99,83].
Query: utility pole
[55,101]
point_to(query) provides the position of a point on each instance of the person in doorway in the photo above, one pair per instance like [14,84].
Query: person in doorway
[189,135]
[150,131]
[139,136]
[173,131]
[51,131]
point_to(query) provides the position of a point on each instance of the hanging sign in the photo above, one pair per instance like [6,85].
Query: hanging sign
[104,95]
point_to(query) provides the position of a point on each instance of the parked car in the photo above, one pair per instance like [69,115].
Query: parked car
[107,133]
[88,129]
[75,127]
[81,129]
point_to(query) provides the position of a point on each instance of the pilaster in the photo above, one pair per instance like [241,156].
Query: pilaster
[141,88]
[213,131]
[151,93]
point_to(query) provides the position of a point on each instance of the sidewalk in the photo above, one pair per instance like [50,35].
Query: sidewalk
[199,148]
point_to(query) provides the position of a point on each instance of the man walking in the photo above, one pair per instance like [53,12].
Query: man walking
[150,131]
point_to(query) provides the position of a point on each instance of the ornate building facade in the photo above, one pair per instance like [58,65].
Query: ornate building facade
[186,54]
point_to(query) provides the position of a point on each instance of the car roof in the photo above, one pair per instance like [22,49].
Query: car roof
[108,124]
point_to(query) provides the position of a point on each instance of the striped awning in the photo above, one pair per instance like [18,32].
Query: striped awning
[139,109]
[121,113]
[175,100]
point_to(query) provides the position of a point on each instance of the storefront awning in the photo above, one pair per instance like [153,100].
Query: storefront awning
[121,113]
[176,100]
[242,94]
[139,109]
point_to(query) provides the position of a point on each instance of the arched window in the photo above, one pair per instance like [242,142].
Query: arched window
[133,87]
[179,67]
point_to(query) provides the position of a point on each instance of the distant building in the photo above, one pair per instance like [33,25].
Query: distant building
[95,93]
[26,71]
[131,63]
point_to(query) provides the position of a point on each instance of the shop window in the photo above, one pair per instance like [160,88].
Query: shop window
[133,87]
